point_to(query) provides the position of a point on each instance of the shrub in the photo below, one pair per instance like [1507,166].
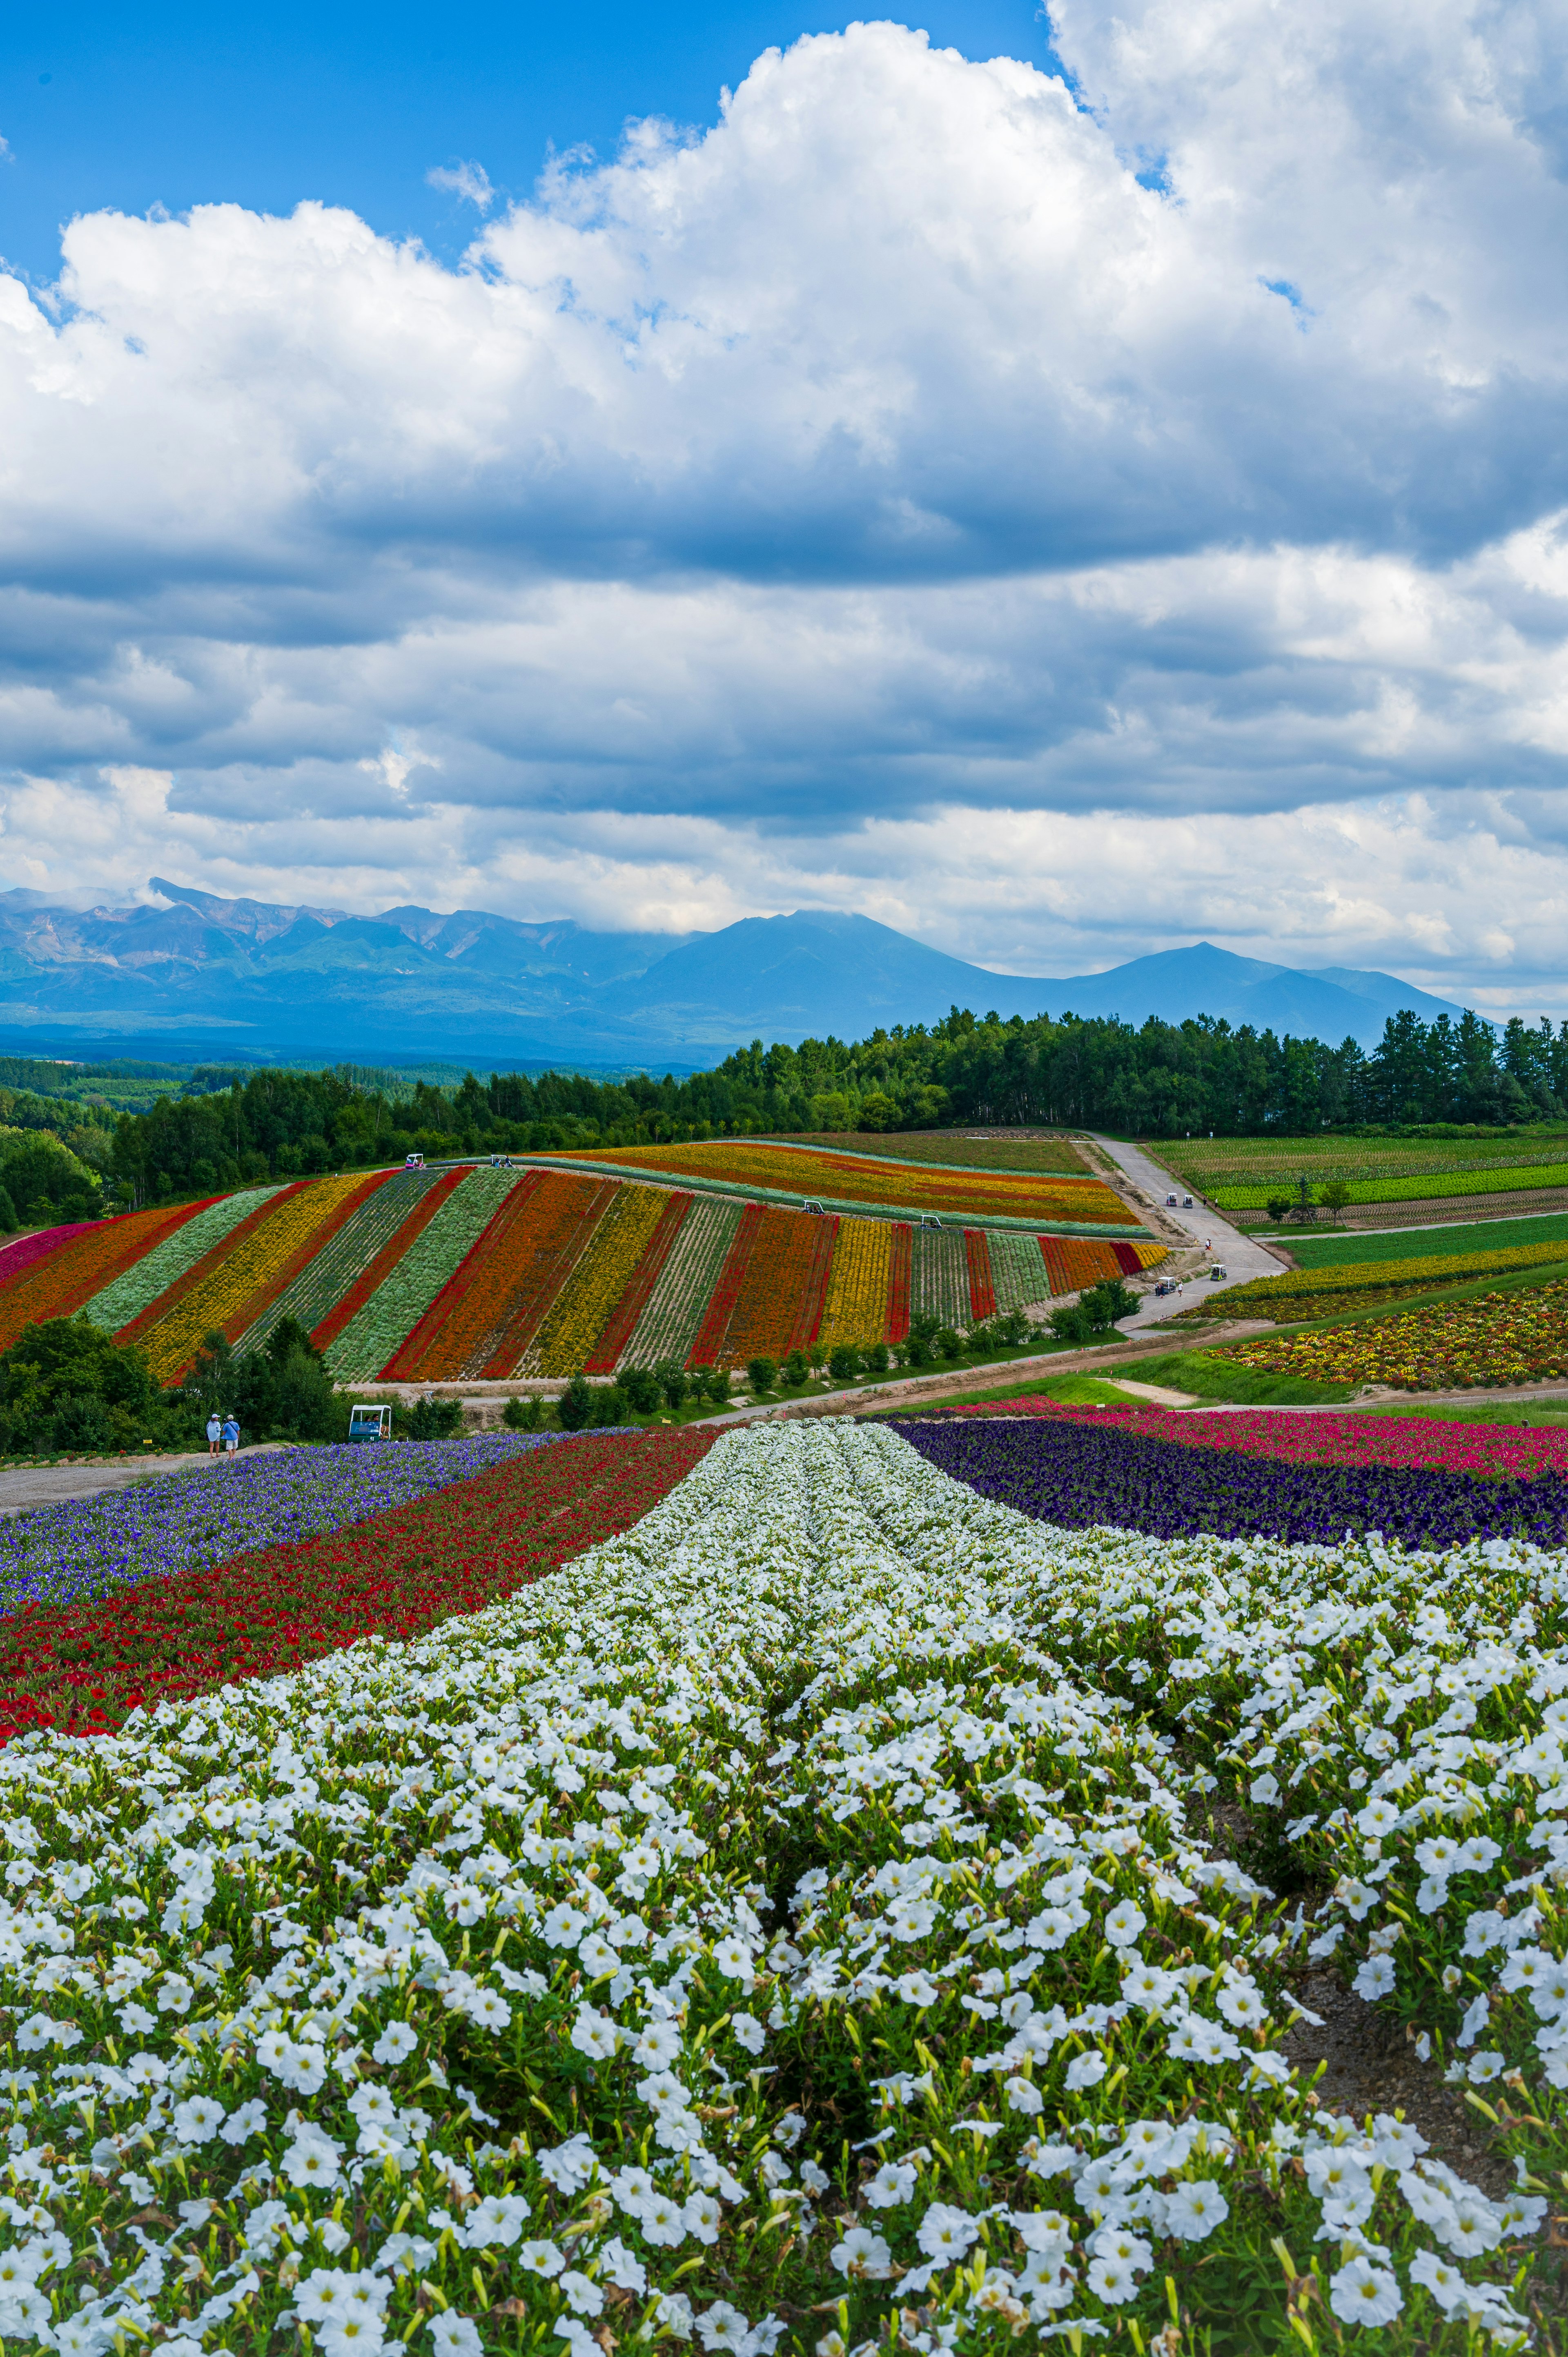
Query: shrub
[949,1343]
[671,1379]
[9,1222]
[715,1384]
[843,1362]
[642,1388]
[1013,1330]
[1108,1301]
[876,1359]
[611,1406]
[576,1406]
[918,1350]
[1276,1207]
[522,1414]
[796,1370]
[435,1419]
[64,1384]
[761,1374]
[1072,1323]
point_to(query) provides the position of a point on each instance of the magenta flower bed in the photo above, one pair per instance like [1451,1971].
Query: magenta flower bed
[1317,1436]
[15,1258]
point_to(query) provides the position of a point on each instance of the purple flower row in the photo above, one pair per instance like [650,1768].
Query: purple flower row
[85,1547]
[1079,1475]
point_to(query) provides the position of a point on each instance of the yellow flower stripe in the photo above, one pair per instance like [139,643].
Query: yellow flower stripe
[1302,1292]
[910,1186]
[265,1252]
[576,1318]
[857,1306]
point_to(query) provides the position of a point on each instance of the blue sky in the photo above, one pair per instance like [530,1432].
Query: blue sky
[108,107]
[1062,490]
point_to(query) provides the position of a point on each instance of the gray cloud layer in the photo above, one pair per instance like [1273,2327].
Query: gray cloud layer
[884,498]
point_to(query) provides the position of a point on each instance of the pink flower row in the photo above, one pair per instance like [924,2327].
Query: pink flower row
[1320,1436]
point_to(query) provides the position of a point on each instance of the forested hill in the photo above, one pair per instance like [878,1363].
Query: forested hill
[1158,1080]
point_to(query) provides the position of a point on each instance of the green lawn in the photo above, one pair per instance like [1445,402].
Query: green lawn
[1339,1249]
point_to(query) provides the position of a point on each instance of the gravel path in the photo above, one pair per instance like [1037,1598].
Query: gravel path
[25,1486]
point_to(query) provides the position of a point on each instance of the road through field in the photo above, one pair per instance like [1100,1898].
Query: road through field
[1237,1253]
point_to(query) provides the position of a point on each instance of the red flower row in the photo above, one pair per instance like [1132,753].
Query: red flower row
[82,1668]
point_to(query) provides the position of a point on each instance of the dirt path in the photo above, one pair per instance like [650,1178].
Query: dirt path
[27,1486]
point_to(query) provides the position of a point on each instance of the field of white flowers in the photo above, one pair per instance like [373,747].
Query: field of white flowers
[796,1926]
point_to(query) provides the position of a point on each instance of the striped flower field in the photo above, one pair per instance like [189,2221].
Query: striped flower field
[431,1275]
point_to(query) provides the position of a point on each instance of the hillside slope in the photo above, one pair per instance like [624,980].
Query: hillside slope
[479,1272]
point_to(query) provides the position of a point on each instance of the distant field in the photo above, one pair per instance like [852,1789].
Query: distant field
[1482,1235]
[1300,1293]
[833,1176]
[1499,1178]
[1220,1163]
[1028,1151]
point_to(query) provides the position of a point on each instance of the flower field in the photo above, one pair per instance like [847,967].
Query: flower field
[383,1322]
[409,1539]
[857,1297]
[343,1256]
[795,1926]
[1322,1437]
[1210,1163]
[88,1547]
[678,1301]
[610,1260]
[174,1252]
[1503,1338]
[430,1276]
[1316,1292]
[226,1290]
[70,1266]
[616,1336]
[741,1162]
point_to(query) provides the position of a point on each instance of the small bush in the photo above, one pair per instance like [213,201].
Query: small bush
[642,1388]
[576,1406]
[522,1414]
[918,1351]
[761,1374]
[435,1419]
[1013,1330]
[843,1362]
[876,1359]
[610,1406]
[949,1343]
[796,1370]
[715,1384]
[671,1382]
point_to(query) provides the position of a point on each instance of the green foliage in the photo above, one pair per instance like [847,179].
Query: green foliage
[642,1389]
[434,1419]
[282,1392]
[876,1359]
[1277,1207]
[716,1385]
[1334,1196]
[671,1376]
[843,1362]
[611,1406]
[761,1373]
[796,1370]
[9,1222]
[523,1414]
[948,1342]
[40,1173]
[576,1406]
[65,1387]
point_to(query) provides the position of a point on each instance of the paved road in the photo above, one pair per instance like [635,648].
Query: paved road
[27,1486]
[1236,1252]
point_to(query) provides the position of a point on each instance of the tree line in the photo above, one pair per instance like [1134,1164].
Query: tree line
[1152,1080]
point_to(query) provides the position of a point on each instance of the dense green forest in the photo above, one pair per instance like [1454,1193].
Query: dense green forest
[1159,1080]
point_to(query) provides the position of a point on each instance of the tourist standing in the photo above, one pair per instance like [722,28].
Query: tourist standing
[230,1436]
[214,1433]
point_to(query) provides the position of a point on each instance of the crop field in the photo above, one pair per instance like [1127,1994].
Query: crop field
[429,1276]
[1322,1154]
[806,1920]
[1342,1248]
[956,1149]
[907,1185]
[1499,1339]
[1303,1293]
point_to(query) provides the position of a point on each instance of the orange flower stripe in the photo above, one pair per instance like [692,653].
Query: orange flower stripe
[856,1308]
[982,1291]
[225,1289]
[708,1346]
[614,1250]
[64,1280]
[679,1298]
[774,1288]
[430,1349]
[813,1170]
[606,1355]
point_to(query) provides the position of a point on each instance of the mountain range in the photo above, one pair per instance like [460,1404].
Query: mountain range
[195,975]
